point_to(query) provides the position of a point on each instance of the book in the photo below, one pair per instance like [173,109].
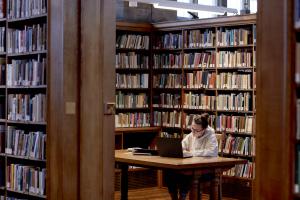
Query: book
[25,8]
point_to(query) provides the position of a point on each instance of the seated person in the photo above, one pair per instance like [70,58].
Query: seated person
[201,141]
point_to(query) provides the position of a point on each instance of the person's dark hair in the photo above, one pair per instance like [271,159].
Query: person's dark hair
[202,120]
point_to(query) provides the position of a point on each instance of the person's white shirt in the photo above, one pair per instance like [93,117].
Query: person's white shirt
[206,145]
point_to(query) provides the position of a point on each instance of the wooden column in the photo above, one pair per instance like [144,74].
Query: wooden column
[63,94]
[274,149]
[97,88]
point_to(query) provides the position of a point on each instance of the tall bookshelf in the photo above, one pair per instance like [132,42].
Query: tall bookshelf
[194,53]
[296,101]
[23,94]
[178,81]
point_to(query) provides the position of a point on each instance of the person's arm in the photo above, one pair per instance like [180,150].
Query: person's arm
[211,149]
[185,143]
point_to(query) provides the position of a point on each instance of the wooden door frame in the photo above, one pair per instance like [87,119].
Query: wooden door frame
[81,76]
[274,121]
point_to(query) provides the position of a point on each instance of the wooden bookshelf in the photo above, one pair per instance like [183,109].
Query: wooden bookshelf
[160,29]
[31,90]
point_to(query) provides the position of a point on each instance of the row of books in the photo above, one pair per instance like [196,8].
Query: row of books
[235,102]
[132,60]
[199,60]
[130,41]
[198,38]
[199,79]
[168,41]
[10,198]
[167,61]
[26,8]
[234,81]
[27,39]
[189,118]
[166,100]
[132,120]
[131,100]
[132,80]
[230,123]
[26,72]
[2,8]
[2,140]
[243,171]
[232,59]
[239,145]
[167,81]
[2,39]
[171,119]
[24,107]
[199,101]
[298,120]
[169,135]
[26,179]
[2,71]
[31,145]
[234,37]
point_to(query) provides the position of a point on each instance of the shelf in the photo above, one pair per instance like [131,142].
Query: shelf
[27,53]
[26,122]
[133,89]
[2,53]
[2,188]
[2,154]
[238,156]
[174,89]
[3,120]
[235,68]
[28,87]
[236,133]
[165,108]
[2,19]
[198,110]
[24,158]
[197,89]
[27,18]
[2,86]
[130,70]
[133,50]
[167,127]
[139,129]
[237,178]
[166,50]
[235,111]
[120,109]
[236,90]
[199,48]
[167,69]
[27,193]
[200,69]
[238,46]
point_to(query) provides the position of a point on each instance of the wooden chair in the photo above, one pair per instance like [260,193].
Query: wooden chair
[220,138]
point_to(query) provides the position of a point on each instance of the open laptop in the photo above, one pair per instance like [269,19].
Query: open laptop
[171,147]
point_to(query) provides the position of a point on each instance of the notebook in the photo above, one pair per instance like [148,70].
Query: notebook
[171,147]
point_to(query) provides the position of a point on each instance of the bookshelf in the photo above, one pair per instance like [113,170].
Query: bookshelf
[185,78]
[296,101]
[23,94]
[210,73]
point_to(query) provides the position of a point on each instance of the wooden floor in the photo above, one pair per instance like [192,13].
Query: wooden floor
[153,194]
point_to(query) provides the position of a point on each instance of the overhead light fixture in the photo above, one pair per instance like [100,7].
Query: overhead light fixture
[174,5]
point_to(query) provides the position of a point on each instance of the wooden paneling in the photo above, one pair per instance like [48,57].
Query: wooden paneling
[62,141]
[98,31]
[274,150]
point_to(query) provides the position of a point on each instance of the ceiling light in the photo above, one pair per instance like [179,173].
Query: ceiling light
[174,5]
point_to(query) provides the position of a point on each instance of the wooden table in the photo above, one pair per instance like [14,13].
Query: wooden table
[195,166]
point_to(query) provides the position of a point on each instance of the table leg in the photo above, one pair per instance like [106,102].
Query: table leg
[124,182]
[214,188]
[194,190]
